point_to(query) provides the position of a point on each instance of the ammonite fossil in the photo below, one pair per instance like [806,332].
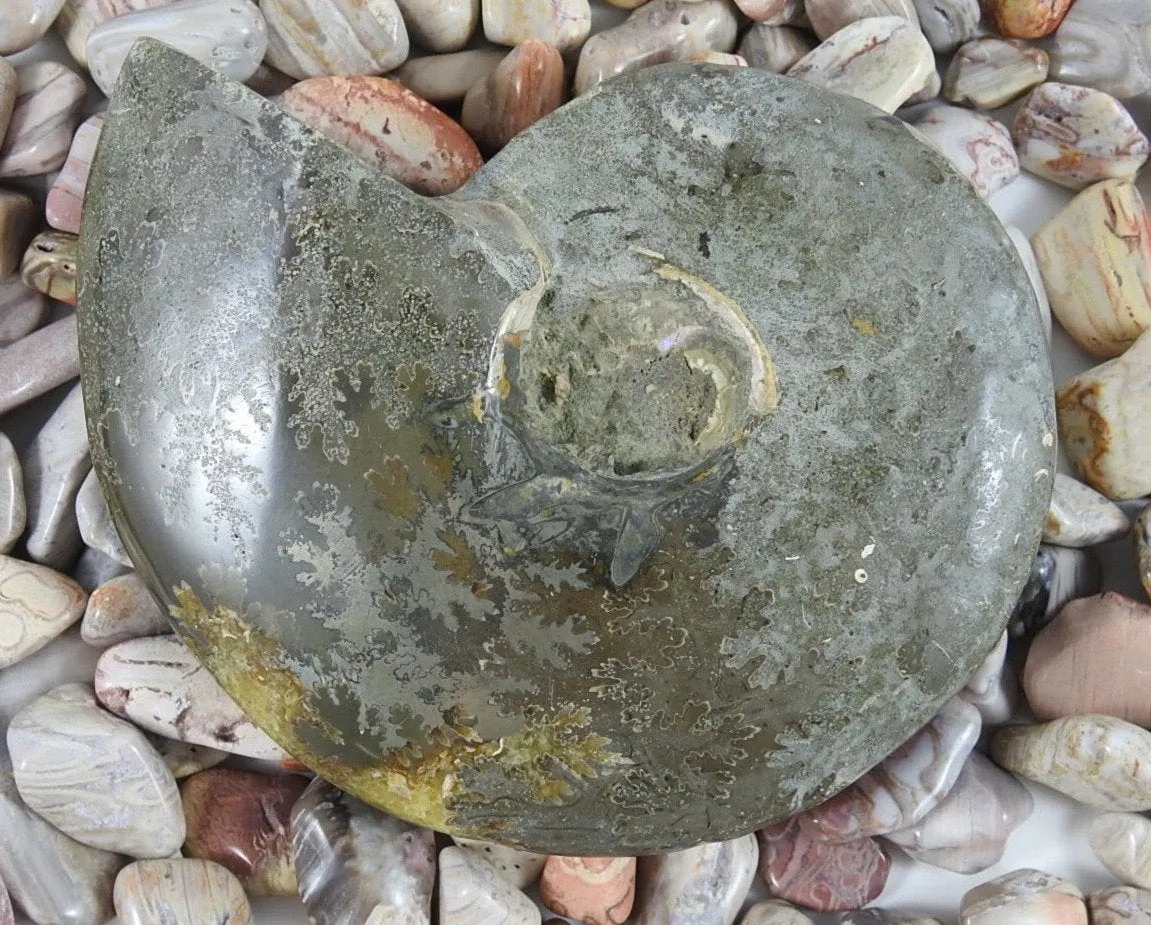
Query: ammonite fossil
[648,489]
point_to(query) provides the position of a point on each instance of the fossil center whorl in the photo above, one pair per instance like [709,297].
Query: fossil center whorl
[641,382]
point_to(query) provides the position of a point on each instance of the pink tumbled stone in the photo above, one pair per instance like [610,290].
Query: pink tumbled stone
[66,198]
[595,891]
[819,875]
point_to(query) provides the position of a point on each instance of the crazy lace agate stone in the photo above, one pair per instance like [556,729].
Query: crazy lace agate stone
[509,599]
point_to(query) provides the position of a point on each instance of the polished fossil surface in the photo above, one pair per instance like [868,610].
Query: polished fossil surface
[630,497]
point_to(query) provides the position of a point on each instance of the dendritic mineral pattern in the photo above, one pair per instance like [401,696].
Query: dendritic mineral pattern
[550,511]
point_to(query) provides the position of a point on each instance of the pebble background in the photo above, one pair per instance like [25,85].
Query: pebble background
[130,758]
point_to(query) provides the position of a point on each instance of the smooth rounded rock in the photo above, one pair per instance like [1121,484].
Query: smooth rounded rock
[595,891]
[829,16]
[36,605]
[94,776]
[183,759]
[447,78]
[1119,905]
[821,875]
[882,61]
[1105,45]
[968,831]
[19,219]
[179,892]
[440,25]
[355,864]
[526,86]
[78,18]
[24,22]
[1025,19]
[22,310]
[906,785]
[45,115]
[774,912]
[948,23]
[66,198]
[1076,136]
[563,24]
[471,891]
[705,885]
[978,146]
[423,626]
[993,688]
[988,73]
[1080,516]
[1024,897]
[49,265]
[228,35]
[242,820]
[343,38]
[1095,256]
[1103,412]
[51,877]
[95,523]
[1098,760]
[768,12]
[1122,843]
[389,127]
[13,511]
[38,362]
[519,868]
[122,609]
[1092,658]
[158,684]
[659,31]
[775,48]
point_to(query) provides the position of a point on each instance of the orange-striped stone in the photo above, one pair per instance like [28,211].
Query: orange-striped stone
[595,891]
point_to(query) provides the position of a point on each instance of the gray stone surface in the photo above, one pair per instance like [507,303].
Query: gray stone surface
[363,453]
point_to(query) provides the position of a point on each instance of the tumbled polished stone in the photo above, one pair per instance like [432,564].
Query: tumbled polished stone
[993,688]
[978,146]
[470,891]
[36,605]
[55,464]
[1095,256]
[1105,45]
[595,891]
[51,877]
[19,220]
[66,198]
[1122,842]
[821,875]
[447,78]
[423,625]
[1087,659]
[1103,411]
[829,16]
[78,18]
[94,776]
[316,38]
[158,684]
[968,831]
[95,522]
[775,48]
[519,868]
[38,363]
[884,61]
[122,609]
[988,73]
[1024,897]
[659,31]
[1060,574]
[440,25]
[49,264]
[40,131]
[389,127]
[22,309]
[563,24]
[242,821]
[1025,19]
[23,22]
[771,12]
[1080,516]
[774,912]
[1098,760]
[179,891]
[1119,905]
[184,759]
[906,785]
[707,883]
[13,511]
[526,86]
[355,864]
[228,35]
[948,23]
